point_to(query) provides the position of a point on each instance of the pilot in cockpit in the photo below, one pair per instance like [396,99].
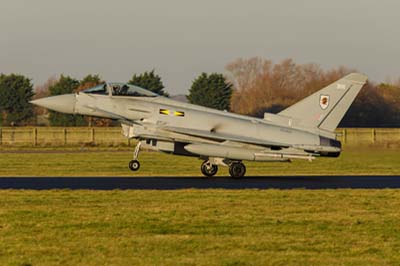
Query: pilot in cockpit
[124,90]
[116,90]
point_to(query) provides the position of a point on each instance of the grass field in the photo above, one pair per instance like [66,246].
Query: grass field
[198,227]
[113,162]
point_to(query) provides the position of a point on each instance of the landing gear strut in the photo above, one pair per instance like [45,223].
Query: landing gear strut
[134,165]
[237,169]
[208,169]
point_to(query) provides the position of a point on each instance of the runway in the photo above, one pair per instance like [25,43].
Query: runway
[173,183]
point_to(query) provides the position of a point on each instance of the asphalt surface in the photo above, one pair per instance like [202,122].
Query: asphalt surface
[172,183]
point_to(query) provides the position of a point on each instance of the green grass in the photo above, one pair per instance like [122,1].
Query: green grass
[113,162]
[198,227]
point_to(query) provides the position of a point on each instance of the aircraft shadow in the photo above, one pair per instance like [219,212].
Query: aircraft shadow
[173,183]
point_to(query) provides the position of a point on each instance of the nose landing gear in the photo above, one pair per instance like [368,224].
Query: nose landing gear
[134,165]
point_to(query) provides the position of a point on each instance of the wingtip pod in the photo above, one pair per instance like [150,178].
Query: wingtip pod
[357,78]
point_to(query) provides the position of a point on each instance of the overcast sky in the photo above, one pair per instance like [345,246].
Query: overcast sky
[182,38]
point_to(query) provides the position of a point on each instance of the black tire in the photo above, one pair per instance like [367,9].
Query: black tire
[134,165]
[237,170]
[209,172]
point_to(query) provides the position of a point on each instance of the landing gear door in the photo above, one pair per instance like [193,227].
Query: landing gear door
[133,131]
[129,131]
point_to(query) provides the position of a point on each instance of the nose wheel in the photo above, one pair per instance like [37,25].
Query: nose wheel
[134,165]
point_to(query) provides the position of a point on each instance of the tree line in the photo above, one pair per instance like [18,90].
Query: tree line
[262,86]
[250,86]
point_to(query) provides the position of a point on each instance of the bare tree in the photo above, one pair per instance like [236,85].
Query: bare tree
[263,86]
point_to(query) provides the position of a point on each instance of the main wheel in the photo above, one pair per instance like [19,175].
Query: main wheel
[208,170]
[237,170]
[134,165]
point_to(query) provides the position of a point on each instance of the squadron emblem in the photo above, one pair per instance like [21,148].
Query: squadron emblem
[324,101]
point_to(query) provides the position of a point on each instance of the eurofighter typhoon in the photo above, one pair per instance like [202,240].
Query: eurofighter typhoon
[304,130]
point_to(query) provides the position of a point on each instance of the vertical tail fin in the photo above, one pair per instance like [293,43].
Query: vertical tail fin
[325,108]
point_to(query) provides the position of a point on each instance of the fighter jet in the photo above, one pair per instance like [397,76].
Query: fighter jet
[305,130]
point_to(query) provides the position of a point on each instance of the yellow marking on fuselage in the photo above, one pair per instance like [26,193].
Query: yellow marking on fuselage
[177,113]
[164,111]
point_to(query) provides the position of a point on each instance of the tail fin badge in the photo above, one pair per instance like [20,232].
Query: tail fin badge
[324,101]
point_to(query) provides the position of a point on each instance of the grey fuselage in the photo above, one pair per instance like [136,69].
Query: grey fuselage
[161,118]
[301,131]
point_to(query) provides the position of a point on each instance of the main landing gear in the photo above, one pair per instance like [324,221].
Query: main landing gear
[236,168]
[134,165]
[209,169]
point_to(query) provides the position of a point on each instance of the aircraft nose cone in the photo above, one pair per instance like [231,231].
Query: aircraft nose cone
[60,103]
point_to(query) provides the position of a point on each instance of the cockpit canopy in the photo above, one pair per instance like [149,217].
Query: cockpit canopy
[120,89]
